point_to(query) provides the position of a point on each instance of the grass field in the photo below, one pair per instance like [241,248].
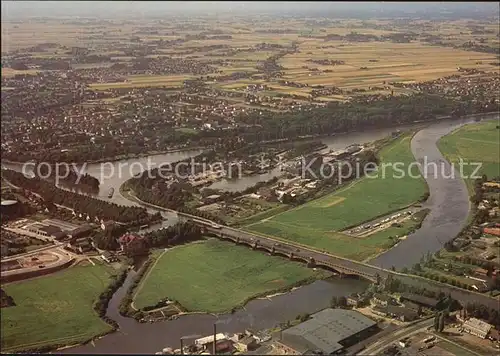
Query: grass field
[216,276]
[478,142]
[56,309]
[316,223]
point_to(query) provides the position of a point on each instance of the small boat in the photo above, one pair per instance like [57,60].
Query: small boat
[111,192]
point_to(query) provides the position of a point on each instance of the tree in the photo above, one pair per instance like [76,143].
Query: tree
[490,270]
[302,317]
[441,323]
[436,322]
[334,302]
[342,301]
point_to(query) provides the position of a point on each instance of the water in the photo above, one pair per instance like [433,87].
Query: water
[337,142]
[449,204]
[134,337]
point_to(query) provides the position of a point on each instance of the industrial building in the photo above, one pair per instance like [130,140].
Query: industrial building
[328,332]
[477,327]
[58,229]
[46,230]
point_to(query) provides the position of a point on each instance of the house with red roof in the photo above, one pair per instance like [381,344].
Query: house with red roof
[133,244]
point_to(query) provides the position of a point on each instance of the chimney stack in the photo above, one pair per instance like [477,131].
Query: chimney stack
[214,352]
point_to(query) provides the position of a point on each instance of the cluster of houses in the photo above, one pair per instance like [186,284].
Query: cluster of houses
[465,84]
[408,308]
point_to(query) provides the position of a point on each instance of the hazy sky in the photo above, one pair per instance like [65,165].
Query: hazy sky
[15,9]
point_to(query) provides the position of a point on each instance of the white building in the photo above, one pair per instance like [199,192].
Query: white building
[477,327]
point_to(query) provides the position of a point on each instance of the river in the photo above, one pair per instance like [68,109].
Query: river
[448,201]
[449,205]
[145,338]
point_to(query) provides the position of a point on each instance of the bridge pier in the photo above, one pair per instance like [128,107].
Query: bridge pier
[311,263]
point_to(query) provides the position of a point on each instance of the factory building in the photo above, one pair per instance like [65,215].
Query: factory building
[477,327]
[328,332]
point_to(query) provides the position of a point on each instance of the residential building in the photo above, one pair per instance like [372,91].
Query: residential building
[356,301]
[133,244]
[107,225]
[381,300]
[248,343]
[415,307]
[328,332]
[401,313]
[477,327]
[419,300]
[80,245]
[221,342]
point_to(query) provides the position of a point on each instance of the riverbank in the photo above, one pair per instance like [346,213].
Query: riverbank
[257,314]
[304,138]
[240,273]
[123,157]
[448,201]
[318,223]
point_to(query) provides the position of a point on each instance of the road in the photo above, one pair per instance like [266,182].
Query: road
[33,252]
[62,257]
[401,333]
[462,295]
[344,264]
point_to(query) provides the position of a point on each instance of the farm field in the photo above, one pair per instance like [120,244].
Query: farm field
[317,223]
[478,142]
[215,276]
[370,65]
[55,309]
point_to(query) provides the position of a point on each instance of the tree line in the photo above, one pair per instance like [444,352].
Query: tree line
[78,202]
[69,177]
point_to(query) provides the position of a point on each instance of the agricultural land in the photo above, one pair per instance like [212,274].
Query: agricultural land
[259,93]
[319,222]
[56,309]
[216,276]
[478,143]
